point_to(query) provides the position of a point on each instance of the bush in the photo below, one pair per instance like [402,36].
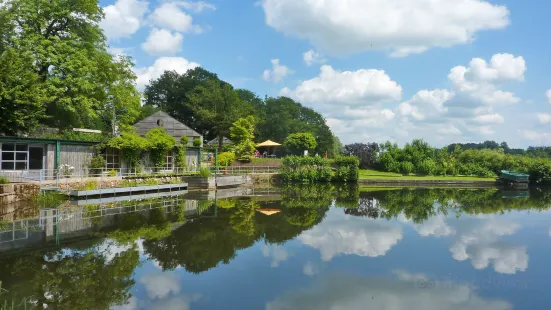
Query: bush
[407,168]
[427,167]
[347,169]
[160,143]
[225,159]
[305,169]
[205,172]
[132,146]
[180,155]
[97,164]
[4,180]
[197,142]
[112,173]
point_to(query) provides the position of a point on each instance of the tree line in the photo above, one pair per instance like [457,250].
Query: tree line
[421,158]
[56,72]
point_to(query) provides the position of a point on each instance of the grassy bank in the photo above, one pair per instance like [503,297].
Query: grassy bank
[378,175]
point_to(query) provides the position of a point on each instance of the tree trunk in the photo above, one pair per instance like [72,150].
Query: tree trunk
[220,143]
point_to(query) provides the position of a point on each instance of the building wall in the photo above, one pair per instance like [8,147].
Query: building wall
[77,156]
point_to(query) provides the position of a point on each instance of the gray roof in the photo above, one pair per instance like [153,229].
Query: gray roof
[169,123]
[224,141]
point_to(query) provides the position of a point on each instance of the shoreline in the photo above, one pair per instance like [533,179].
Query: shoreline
[446,183]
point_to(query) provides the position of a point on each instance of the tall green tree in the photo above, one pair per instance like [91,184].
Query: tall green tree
[299,142]
[170,93]
[83,85]
[218,106]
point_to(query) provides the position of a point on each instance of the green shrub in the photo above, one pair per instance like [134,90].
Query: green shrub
[4,180]
[160,143]
[112,173]
[347,169]
[180,155]
[205,172]
[225,159]
[427,167]
[197,142]
[97,164]
[305,169]
[407,168]
[132,147]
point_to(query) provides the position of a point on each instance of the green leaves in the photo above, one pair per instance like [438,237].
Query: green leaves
[242,134]
[300,142]
[60,73]
[160,143]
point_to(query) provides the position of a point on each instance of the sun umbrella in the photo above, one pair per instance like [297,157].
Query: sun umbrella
[268,211]
[268,143]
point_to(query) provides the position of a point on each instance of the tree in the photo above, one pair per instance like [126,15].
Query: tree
[21,98]
[242,134]
[62,42]
[170,93]
[299,142]
[367,153]
[218,106]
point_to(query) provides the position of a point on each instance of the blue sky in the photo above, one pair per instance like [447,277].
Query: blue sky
[381,69]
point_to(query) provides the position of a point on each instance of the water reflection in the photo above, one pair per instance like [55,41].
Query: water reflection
[338,247]
[346,291]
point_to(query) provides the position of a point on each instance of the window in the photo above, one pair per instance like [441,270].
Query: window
[169,165]
[112,157]
[14,156]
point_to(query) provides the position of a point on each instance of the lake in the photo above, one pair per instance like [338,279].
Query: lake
[320,247]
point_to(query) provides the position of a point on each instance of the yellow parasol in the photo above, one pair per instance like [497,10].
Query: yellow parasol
[268,211]
[268,143]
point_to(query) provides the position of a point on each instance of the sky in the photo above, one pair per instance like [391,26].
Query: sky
[442,70]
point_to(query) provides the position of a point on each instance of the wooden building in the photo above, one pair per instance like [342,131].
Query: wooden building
[41,157]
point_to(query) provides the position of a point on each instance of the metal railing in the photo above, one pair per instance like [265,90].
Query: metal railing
[249,170]
[55,177]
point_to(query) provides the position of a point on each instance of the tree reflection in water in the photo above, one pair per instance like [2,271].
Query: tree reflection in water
[63,277]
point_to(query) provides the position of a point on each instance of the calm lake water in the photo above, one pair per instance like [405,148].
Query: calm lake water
[317,247]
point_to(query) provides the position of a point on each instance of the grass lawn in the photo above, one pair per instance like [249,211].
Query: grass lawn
[378,175]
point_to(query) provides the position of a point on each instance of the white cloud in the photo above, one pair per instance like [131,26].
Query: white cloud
[178,64]
[174,303]
[117,51]
[544,118]
[169,15]
[537,137]
[310,269]
[403,292]
[365,87]
[400,26]
[278,254]
[162,42]
[435,226]
[160,284]
[470,107]
[489,119]
[123,18]
[312,57]
[343,234]
[198,6]
[480,242]
[548,95]
[278,72]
